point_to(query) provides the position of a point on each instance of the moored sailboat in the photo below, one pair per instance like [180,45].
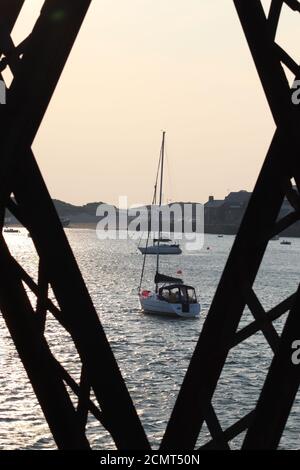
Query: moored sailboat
[162,246]
[171,297]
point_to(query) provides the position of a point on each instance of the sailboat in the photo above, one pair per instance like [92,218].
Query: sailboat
[285,242]
[10,230]
[171,297]
[162,246]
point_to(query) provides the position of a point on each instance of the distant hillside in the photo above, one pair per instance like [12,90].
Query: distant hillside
[85,214]
[77,214]
[65,209]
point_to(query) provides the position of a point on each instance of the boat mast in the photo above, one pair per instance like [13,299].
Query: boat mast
[160,197]
[149,220]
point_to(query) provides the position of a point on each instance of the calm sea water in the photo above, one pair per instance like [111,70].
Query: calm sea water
[153,353]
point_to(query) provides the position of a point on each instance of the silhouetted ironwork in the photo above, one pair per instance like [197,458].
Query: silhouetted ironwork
[265,424]
[36,65]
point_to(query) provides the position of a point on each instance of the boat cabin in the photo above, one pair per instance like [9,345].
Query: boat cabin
[165,242]
[178,293]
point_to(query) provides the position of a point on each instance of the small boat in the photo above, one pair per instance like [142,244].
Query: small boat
[171,297]
[65,221]
[163,246]
[11,230]
[285,242]
[220,236]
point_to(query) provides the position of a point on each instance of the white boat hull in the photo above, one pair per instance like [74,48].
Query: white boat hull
[153,305]
[161,249]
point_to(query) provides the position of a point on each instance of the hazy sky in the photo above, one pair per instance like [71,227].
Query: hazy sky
[140,66]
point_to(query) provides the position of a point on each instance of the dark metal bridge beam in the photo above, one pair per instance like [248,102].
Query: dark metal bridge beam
[39,364]
[36,76]
[280,166]
[283,379]
[279,391]
[9,12]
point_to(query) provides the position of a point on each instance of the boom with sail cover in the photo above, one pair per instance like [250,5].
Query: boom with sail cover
[162,278]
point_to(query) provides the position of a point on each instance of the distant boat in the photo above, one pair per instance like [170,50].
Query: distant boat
[171,296]
[220,236]
[162,246]
[11,230]
[65,221]
[285,242]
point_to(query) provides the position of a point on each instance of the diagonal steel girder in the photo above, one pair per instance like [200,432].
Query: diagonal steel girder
[10,10]
[281,164]
[36,75]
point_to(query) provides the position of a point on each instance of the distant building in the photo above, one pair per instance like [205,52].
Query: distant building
[226,212]
[225,215]
[213,211]
[234,206]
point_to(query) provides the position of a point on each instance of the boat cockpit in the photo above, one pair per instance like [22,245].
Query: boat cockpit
[178,293]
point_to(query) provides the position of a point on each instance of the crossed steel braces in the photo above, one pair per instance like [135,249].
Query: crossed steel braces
[265,423]
[36,65]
